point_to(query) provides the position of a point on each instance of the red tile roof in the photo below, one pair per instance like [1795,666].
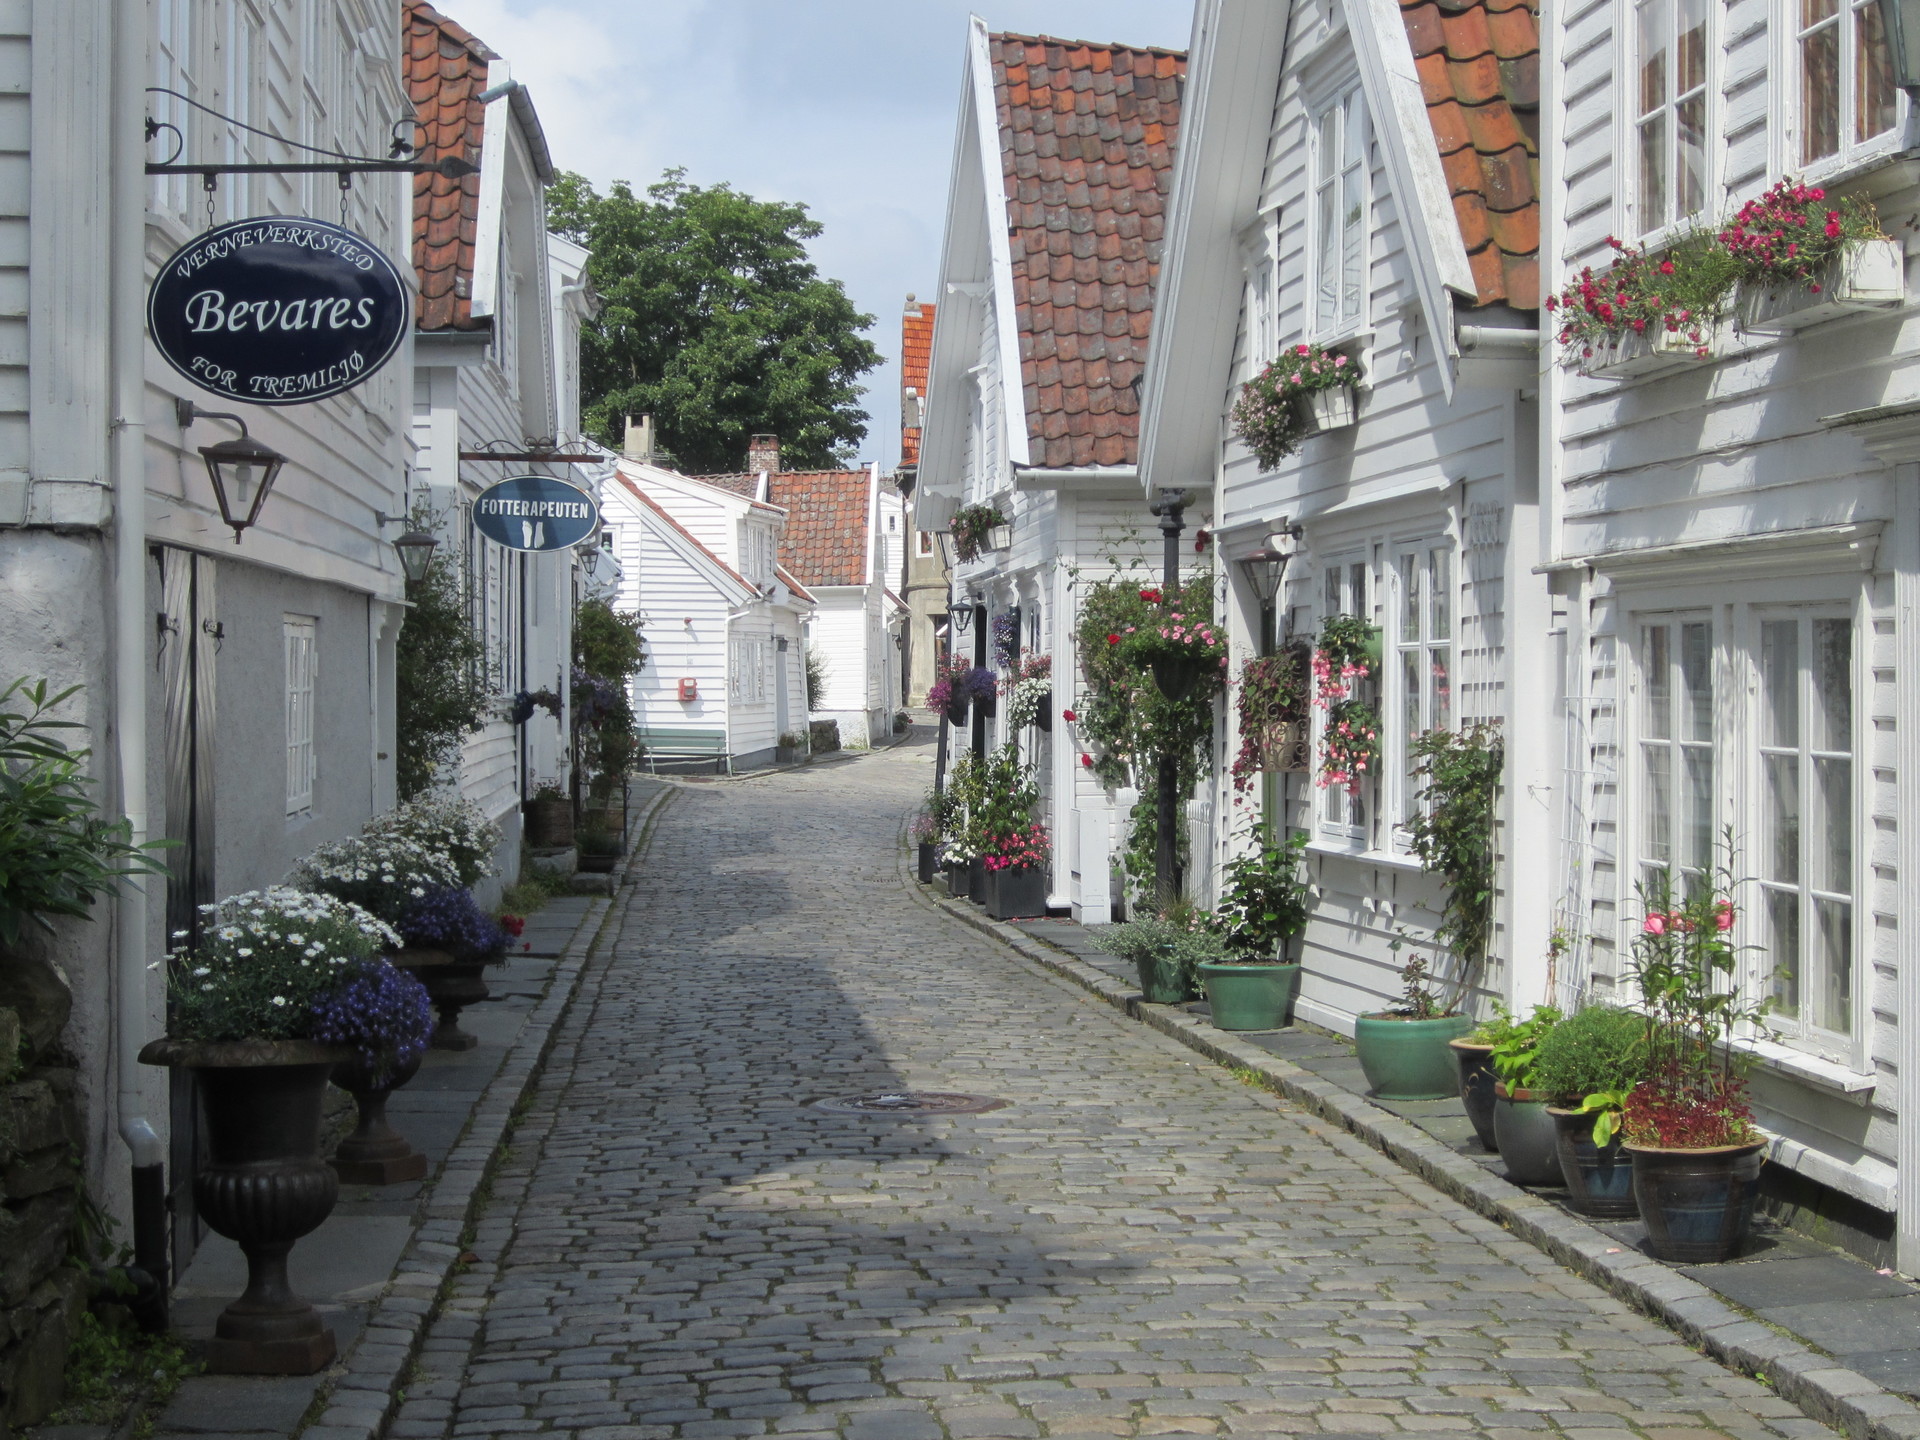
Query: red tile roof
[446,70]
[825,542]
[916,359]
[1087,136]
[1479,63]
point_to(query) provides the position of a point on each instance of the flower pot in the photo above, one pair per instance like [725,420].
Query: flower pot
[1697,1204]
[1526,1136]
[548,821]
[977,877]
[1045,718]
[999,537]
[1408,1059]
[1175,674]
[924,854]
[1162,981]
[1632,354]
[589,864]
[957,711]
[1017,894]
[1334,408]
[1864,275]
[1250,997]
[1599,1178]
[1474,1064]
[375,1153]
[1285,746]
[959,880]
[452,985]
[263,1185]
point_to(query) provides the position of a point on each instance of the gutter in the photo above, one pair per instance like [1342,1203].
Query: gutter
[127,438]
[1497,340]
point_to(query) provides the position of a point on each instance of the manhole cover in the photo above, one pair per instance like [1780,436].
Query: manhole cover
[908,1102]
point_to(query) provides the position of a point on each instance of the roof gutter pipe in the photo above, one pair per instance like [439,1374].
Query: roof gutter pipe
[1498,339]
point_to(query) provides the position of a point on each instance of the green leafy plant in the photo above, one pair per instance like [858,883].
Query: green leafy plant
[816,678]
[1269,414]
[117,1376]
[1265,899]
[1452,832]
[608,651]
[1590,1061]
[970,525]
[1183,936]
[1681,289]
[440,689]
[58,854]
[1345,664]
[1273,698]
[1518,1047]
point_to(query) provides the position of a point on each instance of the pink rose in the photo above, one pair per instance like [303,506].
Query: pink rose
[1655,925]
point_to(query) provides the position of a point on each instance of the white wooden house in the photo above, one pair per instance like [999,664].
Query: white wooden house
[725,676]
[1062,165]
[1322,198]
[495,370]
[1735,570]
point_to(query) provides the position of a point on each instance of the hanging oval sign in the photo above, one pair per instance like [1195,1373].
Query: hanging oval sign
[278,310]
[536,512]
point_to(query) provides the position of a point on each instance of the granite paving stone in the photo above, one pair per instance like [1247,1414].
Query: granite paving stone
[678,1245]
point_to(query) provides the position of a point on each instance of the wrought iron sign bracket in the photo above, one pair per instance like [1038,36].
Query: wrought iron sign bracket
[451,166]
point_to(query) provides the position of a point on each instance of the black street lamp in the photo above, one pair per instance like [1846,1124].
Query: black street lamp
[416,549]
[242,471]
[1171,507]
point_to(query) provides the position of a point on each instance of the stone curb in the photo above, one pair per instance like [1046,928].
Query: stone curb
[360,1397]
[1823,1389]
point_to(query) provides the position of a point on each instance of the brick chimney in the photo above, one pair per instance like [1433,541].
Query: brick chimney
[763,454]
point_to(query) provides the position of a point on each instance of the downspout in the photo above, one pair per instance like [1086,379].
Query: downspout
[126,269]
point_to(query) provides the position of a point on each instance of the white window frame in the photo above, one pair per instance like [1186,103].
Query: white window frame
[1342,816]
[1852,149]
[1260,267]
[747,680]
[1436,633]
[1670,217]
[924,547]
[1330,136]
[300,636]
[1738,797]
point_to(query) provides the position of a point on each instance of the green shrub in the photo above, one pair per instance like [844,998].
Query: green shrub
[1600,1048]
[1264,901]
[1188,945]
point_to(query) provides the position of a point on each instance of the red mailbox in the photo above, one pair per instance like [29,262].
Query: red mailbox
[689,688]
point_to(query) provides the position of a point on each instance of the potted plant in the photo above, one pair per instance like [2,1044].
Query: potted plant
[1016,863]
[599,847]
[1645,313]
[1523,1131]
[1403,1051]
[549,817]
[1696,1152]
[1187,655]
[1029,693]
[949,694]
[449,941]
[923,832]
[1273,715]
[1263,906]
[1473,1064]
[383,871]
[971,526]
[1346,658]
[384,1013]
[1586,1065]
[1307,389]
[525,702]
[447,826]
[244,1013]
[1166,951]
[1803,259]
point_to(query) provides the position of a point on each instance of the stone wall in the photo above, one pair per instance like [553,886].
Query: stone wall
[40,1296]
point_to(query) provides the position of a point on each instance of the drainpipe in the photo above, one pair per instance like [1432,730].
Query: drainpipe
[126,266]
[1497,340]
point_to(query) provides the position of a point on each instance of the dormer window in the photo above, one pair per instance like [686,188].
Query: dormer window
[1340,217]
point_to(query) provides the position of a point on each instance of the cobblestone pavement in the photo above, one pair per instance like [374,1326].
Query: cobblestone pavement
[676,1246]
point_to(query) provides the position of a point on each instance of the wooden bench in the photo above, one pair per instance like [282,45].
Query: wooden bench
[686,745]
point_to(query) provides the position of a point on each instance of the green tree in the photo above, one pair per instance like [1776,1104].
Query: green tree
[440,696]
[715,322]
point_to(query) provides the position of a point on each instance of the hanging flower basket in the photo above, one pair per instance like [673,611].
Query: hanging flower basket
[1863,275]
[1307,389]
[1285,747]
[972,527]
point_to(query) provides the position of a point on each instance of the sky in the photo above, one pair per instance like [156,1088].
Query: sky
[845,106]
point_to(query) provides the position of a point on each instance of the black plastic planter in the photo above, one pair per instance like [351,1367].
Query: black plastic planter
[977,876]
[1017,894]
[923,861]
[959,881]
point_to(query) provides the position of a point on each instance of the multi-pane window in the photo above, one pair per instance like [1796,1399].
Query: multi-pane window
[1340,217]
[1263,289]
[1670,109]
[298,634]
[173,66]
[1676,743]
[237,41]
[748,682]
[1804,859]
[1423,648]
[1343,809]
[1847,94]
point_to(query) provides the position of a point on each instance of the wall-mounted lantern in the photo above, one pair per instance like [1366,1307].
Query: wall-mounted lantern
[242,471]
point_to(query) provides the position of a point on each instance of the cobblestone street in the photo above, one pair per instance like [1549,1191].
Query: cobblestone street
[678,1246]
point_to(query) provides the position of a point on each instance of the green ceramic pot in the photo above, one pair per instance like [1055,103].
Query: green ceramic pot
[1250,997]
[1161,982]
[1409,1059]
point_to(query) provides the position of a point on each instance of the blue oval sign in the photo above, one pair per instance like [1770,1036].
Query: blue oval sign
[536,512]
[278,310]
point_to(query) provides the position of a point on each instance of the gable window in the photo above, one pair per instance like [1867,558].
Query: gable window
[1670,108]
[298,634]
[1423,646]
[1259,246]
[1847,94]
[1340,217]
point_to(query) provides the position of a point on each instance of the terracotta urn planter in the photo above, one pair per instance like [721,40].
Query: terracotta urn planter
[263,1185]
[452,985]
[375,1153]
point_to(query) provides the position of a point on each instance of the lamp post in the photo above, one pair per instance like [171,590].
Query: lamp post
[242,471]
[959,617]
[1265,569]
[1171,508]
[979,663]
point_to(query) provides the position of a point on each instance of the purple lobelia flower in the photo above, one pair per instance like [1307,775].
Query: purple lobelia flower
[382,1012]
[448,918]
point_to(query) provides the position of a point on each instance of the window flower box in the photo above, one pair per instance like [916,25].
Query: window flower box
[1000,537]
[1634,354]
[1323,410]
[1863,275]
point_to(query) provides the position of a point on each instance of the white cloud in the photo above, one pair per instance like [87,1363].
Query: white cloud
[846,106]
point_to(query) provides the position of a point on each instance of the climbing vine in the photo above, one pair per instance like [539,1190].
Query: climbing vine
[1452,832]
